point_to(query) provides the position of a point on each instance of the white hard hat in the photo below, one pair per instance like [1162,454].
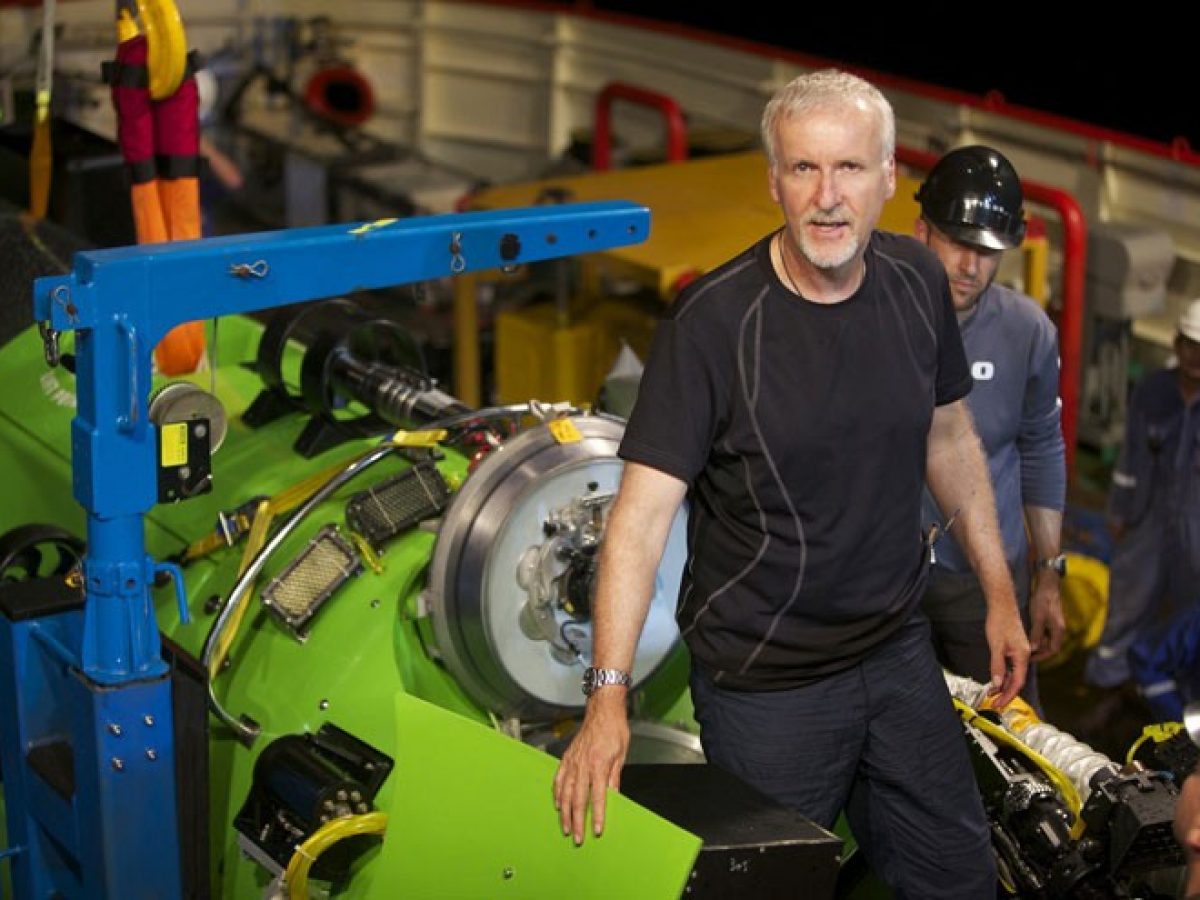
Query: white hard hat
[1189,322]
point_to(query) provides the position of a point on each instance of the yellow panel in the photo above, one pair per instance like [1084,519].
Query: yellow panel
[704,211]
[902,211]
[538,357]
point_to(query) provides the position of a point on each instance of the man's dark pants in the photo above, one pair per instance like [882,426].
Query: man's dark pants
[881,740]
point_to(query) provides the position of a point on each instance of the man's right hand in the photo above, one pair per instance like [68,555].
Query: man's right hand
[592,764]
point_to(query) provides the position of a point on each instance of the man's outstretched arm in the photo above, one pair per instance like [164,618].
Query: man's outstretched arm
[957,475]
[634,539]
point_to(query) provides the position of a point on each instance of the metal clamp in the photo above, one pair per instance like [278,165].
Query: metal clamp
[49,344]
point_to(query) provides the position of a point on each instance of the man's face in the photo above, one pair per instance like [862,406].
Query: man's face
[1188,353]
[969,268]
[831,180]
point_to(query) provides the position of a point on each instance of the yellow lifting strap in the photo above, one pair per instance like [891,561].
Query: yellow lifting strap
[254,543]
[284,501]
[166,44]
[41,159]
[291,497]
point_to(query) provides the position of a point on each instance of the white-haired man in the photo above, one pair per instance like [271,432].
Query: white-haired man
[800,394]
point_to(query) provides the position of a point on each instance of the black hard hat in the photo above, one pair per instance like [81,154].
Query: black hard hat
[973,195]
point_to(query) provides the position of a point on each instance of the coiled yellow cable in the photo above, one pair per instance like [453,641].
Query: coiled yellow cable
[296,875]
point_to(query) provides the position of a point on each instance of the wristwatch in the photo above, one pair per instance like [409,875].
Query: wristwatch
[1054,563]
[594,679]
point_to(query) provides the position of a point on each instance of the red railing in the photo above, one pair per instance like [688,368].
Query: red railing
[672,115]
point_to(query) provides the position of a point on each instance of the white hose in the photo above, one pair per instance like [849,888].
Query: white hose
[1078,761]
[1075,759]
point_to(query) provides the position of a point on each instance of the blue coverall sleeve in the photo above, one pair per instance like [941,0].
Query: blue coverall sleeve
[1040,440]
[1133,465]
[1163,657]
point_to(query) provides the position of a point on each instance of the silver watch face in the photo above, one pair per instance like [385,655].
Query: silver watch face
[1055,563]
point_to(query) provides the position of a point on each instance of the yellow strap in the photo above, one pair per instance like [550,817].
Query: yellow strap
[287,499]
[254,542]
[419,439]
[41,158]
[212,541]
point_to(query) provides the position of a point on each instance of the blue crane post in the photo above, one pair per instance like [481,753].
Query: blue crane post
[89,688]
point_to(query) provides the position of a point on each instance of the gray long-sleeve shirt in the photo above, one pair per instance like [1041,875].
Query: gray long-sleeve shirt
[1012,348]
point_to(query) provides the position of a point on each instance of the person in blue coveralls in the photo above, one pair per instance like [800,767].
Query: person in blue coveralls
[1154,512]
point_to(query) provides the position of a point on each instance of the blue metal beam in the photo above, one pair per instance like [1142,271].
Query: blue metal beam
[122,302]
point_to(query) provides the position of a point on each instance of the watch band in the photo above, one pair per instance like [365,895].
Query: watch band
[594,679]
[1052,563]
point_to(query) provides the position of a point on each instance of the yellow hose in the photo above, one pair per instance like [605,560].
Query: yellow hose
[296,876]
[1057,778]
[1158,732]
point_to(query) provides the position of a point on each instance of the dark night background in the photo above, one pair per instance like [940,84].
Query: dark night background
[1133,71]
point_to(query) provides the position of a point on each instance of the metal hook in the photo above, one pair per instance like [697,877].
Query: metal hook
[457,263]
[62,296]
[49,344]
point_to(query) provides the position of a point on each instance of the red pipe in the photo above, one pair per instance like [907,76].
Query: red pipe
[1070,318]
[602,129]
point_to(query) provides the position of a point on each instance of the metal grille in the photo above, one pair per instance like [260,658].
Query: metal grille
[397,504]
[301,589]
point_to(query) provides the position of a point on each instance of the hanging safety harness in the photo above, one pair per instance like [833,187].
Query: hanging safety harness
[158,130]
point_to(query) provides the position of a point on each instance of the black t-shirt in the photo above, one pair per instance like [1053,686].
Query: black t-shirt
[801,431]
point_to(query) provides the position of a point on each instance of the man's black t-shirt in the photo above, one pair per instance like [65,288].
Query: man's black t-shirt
[801,430]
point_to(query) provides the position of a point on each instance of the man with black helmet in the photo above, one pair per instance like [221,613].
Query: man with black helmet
[971,212]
